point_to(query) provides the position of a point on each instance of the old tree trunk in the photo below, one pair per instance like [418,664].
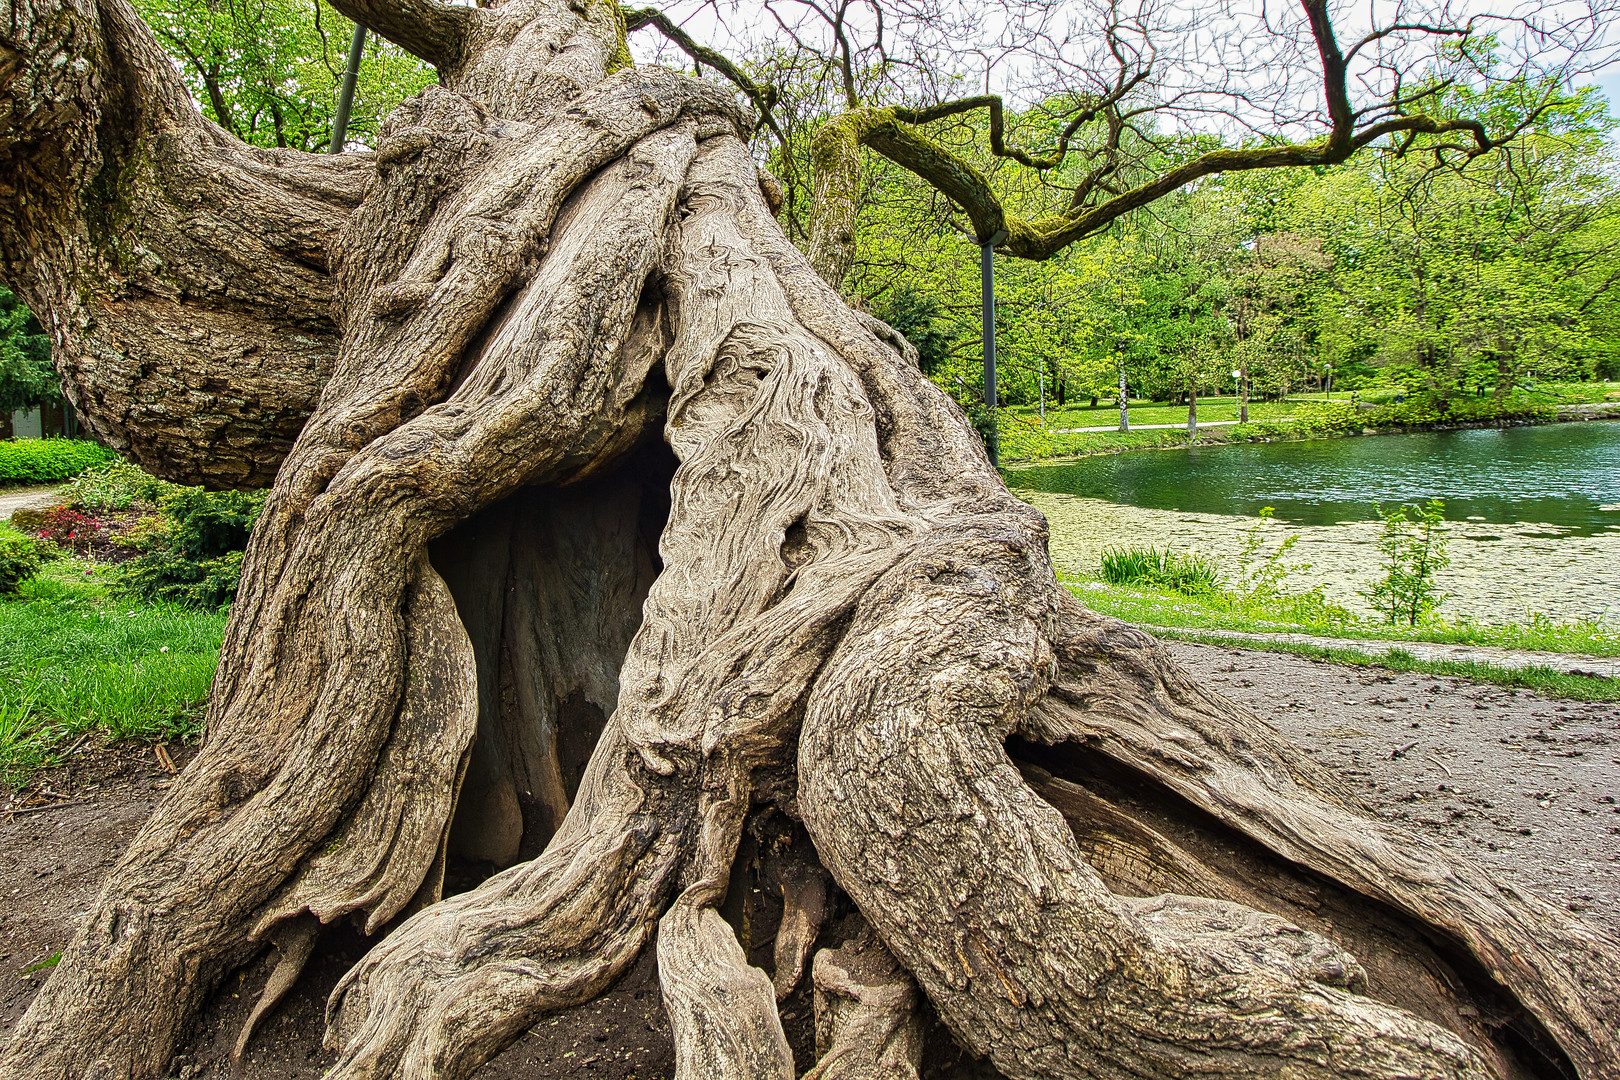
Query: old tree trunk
[602,532]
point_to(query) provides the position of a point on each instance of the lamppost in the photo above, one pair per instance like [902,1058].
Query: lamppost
[987,283]
[1237,394]
[340,122]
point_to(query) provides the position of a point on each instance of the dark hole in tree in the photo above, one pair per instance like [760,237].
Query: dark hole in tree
[549,584]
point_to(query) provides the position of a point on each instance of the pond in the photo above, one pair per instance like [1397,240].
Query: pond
[1534,511]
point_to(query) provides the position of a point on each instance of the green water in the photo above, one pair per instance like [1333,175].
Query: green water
[1556,474]
[1535,511]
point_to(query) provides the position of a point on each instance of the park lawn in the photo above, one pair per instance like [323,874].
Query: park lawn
[1187,615]
[1146,412]
[76,660]
[1585,637]
[1225,407]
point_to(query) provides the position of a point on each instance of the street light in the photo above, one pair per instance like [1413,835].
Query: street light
[340,122]
[987,282]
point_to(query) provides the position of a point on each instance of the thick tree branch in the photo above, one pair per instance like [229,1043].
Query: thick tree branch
[428,29]
[894,132]
[182,275]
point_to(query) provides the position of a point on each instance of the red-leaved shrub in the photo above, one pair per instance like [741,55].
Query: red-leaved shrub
[70,528]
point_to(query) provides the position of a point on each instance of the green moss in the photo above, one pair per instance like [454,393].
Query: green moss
[621,58]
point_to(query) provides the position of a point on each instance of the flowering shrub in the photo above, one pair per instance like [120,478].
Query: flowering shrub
[69,528]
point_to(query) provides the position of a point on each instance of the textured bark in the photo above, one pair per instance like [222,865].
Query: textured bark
[867,1022]
[613,525]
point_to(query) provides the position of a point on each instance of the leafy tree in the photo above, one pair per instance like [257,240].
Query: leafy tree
[269,70]
[26,376]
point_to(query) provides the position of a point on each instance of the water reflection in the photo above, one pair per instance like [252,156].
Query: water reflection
[1566,475]
[1535,511]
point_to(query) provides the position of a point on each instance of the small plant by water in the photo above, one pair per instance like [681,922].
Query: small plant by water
[1413,546]
[1192,575]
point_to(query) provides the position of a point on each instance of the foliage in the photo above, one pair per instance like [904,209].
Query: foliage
[26,376]
[20,559]
[1459,290]
[918,317]
[1189,574]
[269,70]
[46,461]
[117,485]
[1413,545]
[193,556]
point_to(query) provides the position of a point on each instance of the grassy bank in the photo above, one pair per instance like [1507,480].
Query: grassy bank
[1541,680]
[1308,416]
[75,660]
[1587,637]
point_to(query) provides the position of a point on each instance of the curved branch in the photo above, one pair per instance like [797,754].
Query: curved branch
[183,275]
[763,96]
[428,29]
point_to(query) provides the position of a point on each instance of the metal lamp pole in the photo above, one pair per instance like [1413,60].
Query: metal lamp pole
[340,122]
[987,283]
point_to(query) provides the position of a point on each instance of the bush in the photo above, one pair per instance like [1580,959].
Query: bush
[46,461]
[194,557]
[1327,417]
[117,485]
[70,528]
[20,559]
[1193,575]
[1413,543]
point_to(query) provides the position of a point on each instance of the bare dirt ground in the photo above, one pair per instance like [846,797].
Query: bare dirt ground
[1526,785]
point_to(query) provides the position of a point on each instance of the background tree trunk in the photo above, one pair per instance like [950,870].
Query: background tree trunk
[612,525]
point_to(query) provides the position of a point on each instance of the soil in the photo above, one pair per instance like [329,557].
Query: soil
[1524,784]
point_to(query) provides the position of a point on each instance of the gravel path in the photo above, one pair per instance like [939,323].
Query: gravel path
[1529,786]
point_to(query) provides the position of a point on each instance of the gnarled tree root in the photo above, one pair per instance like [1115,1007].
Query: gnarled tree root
[852,620]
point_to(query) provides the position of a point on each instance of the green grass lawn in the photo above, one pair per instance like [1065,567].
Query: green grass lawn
[76,659]
[1189,615]
[1146,412]
[1588,637]
[1225,407]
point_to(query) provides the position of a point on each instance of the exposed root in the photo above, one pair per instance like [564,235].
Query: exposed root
[295,941]
[379,859]
[977,885]
[722,1012]
[1118,694]
[868,1022]
[804,905]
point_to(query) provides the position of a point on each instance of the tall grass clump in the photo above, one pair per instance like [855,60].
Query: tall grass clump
[76,659]
[1149,567]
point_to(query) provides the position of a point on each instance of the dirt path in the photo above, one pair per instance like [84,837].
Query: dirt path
[14,499]
[1524,784]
